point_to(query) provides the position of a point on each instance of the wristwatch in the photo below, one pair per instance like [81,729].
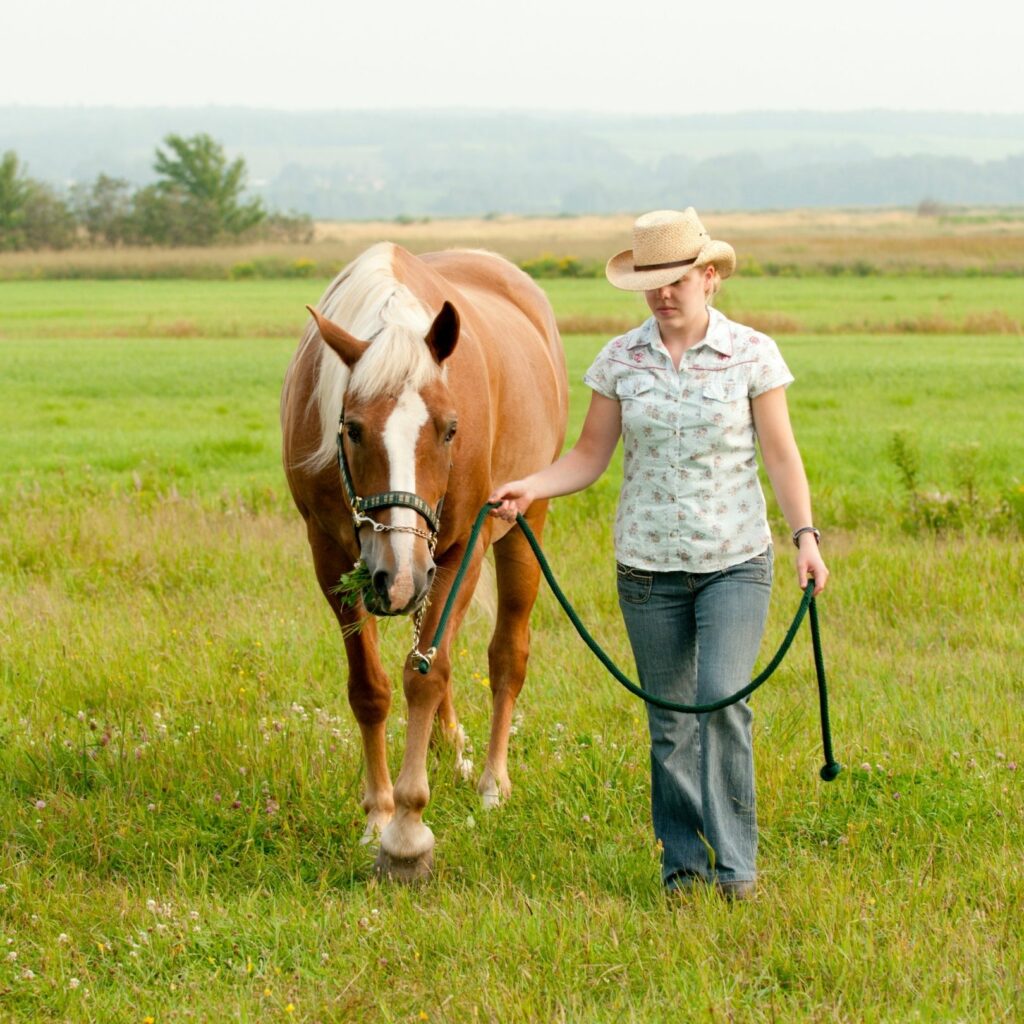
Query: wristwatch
[806,529]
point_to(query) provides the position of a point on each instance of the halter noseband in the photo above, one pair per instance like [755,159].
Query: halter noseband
[386,499]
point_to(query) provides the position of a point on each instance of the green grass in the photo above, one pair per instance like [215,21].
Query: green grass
[180,819]
[276,308]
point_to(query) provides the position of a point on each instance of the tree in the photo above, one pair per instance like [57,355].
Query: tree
[197,179]
[104,209]
[14,192]
[32,215]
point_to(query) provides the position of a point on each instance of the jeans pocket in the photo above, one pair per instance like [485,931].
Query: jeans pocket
[634,584]
[758,569]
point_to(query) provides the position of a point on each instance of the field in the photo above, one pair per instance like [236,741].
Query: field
[181,823]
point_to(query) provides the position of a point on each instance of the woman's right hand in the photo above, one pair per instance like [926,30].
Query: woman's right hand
[515,497]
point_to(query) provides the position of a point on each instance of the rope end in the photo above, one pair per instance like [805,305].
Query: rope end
[830,771]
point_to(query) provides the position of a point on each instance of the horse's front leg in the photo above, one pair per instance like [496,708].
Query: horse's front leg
[369,696]
[369,689]
[518,579]
[407,843]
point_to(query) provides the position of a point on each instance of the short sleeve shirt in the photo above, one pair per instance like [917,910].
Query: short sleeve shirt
[690,499]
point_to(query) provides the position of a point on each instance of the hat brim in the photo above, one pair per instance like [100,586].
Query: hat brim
[619,269]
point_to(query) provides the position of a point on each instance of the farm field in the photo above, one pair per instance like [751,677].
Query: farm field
[276,308]
[180,825]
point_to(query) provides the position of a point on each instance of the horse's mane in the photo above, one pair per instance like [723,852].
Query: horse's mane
[370,304]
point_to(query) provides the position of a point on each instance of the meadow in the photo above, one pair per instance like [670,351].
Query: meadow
[180,819]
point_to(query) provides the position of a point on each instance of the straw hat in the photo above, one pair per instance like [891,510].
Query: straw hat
[666,243]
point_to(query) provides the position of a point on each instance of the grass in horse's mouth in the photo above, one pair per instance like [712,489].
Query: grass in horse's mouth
[349,589]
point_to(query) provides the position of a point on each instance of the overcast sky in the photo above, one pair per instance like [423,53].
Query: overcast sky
[683,57]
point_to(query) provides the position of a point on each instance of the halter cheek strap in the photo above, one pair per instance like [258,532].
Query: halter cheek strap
[387,499]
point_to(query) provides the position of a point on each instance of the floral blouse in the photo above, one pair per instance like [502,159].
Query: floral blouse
[690,498]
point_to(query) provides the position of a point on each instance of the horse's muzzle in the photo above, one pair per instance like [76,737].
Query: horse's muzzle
[384,594]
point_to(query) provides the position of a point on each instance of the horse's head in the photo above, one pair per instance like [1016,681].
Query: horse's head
[395,453]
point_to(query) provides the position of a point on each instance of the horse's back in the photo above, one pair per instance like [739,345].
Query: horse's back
[508,321]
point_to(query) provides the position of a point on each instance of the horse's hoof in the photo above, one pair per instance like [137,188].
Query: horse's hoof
[408,871]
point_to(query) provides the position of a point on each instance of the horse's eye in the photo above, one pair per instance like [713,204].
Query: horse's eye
[355,432]
[450,433]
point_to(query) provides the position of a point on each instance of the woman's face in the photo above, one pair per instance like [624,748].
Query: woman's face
[676,302]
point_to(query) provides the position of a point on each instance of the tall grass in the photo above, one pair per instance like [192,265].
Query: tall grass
[777,243]
[180,822]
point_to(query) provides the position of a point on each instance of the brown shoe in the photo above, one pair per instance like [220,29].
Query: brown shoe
[738,890]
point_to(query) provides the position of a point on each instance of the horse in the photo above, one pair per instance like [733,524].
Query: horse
[420,384]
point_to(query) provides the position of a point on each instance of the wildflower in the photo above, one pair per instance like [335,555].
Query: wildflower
[40,805]
[151,808]
[290,1008]
[12,956]
[28,974]
[63,937]
[267,991]
[865,767]
[73,983]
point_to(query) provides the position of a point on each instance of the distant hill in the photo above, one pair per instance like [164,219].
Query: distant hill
[385,164]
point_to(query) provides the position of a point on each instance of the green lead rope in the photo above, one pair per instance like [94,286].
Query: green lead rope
[829,770]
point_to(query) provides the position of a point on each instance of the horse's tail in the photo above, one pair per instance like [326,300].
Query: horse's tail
[485,597]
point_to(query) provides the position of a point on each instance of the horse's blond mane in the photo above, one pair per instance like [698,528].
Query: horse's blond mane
[372,305]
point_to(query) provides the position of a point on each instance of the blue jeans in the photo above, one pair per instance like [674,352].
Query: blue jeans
[695,638]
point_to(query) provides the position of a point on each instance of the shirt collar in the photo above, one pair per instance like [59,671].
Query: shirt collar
[718,337]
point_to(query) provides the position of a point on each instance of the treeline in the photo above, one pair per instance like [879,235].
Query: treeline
[197,199]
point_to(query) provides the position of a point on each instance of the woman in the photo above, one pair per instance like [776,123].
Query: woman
[688,391]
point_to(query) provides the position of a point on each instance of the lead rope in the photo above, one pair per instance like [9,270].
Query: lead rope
[829,770]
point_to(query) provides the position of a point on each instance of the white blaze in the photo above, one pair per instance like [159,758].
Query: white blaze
[401,433]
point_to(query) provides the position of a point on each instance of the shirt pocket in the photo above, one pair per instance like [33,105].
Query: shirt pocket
[724,401]
[632,387]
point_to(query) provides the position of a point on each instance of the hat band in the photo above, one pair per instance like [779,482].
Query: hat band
[664,266]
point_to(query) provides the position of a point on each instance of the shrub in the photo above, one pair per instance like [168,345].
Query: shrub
[549,266]
[938,511]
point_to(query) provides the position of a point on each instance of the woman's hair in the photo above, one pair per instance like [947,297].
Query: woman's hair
[711,289]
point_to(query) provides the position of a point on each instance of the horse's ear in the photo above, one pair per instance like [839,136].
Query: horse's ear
[444,333]
[347,347]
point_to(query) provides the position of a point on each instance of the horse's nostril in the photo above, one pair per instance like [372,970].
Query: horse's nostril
[380,585]
[430,577]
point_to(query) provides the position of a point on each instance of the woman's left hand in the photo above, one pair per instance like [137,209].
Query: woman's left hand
[810,564]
